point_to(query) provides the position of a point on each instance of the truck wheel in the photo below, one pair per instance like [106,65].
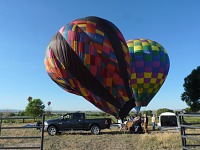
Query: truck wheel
[52,130]
[95,129]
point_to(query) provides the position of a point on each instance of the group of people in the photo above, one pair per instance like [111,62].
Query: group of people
[138,122]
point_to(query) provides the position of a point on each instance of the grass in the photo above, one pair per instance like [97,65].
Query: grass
[107,140]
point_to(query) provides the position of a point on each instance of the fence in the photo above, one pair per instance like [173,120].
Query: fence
[23,137]
[189,139]
[19,118]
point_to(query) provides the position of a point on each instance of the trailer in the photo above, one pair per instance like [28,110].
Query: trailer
[168,120]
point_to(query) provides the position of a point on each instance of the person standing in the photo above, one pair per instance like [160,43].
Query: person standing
[145,123]
[153,120]
[119,121]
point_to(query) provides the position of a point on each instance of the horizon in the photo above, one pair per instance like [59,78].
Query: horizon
[18,110]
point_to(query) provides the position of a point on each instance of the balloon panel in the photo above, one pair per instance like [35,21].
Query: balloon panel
[149,69]
[89,57]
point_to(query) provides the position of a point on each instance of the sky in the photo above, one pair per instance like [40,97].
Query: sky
[26,28]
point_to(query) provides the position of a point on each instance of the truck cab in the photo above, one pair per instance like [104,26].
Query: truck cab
[76,121]
[73,121]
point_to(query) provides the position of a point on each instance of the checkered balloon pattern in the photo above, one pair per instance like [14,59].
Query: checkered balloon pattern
[89,57]
[149,69]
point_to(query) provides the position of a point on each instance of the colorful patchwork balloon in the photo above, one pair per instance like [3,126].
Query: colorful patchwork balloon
[149,69]
[89,57]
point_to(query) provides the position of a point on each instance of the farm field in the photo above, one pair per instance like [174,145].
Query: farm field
[110,140]
[107,140]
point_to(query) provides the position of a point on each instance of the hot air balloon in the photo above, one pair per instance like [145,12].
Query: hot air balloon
[29,98]
[48,103]
[89,57]
[149,69]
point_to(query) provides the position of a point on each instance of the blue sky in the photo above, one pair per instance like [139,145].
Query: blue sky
[26,28]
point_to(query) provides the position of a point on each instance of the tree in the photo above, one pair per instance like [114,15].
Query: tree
[1,114]
[162,110]
[35,108]
[12,114]
[191,94]
[21,113]
[147,112]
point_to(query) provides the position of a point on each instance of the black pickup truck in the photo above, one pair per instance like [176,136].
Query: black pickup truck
[76,121]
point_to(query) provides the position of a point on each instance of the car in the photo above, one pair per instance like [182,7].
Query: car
[76,121]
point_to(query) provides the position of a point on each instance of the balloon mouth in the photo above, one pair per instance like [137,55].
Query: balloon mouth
[126,108]
[137,108]
[144,103]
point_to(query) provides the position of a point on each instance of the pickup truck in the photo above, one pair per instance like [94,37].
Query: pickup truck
[76,121]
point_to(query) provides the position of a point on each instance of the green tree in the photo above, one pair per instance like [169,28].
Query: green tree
[162,110]
[102,114]
[191,94]
[12,114]
[21,113]
[147,112]
[34,108]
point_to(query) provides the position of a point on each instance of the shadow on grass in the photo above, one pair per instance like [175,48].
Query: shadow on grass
[110,132]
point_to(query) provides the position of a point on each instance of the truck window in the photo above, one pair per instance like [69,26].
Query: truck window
[78,116]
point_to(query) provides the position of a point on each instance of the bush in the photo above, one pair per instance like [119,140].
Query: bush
[162,110]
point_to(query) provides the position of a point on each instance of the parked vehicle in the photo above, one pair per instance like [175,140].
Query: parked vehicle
[76,121]
[168,120]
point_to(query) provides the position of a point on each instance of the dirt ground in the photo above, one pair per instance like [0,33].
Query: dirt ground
[107,140]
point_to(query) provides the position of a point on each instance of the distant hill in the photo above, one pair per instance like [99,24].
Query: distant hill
[54,111]
[10,110]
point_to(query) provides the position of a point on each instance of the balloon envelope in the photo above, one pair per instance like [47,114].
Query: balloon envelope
[149,69]
[29,98]
[89,57]
[49,103]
